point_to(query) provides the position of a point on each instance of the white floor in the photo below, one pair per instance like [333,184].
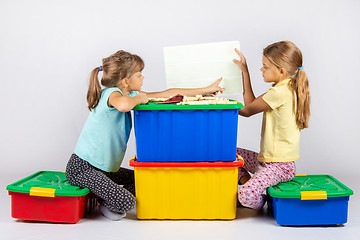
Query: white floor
[247,225]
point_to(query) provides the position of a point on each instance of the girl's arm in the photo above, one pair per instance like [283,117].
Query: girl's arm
[126,103]
[248,93]
[212,89]
[257,106]
[252,105]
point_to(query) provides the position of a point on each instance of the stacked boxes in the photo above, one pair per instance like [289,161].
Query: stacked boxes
[185,166]
[47,196]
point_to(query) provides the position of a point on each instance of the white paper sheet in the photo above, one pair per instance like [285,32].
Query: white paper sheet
[200,65]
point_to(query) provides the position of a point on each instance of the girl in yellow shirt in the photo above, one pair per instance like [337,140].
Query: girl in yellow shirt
[286,111]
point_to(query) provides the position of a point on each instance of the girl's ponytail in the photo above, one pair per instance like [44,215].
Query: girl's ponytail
[94,91]
[300,85]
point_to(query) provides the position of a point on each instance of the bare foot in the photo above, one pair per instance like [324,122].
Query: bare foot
[244,179]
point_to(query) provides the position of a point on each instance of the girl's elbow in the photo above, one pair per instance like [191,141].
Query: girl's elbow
[247,115]
[123,108]
[244,113]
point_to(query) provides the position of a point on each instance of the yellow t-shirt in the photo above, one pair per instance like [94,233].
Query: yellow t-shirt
[280,135]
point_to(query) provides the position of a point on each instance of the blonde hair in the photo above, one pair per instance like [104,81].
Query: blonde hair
[287,55]
[116,67]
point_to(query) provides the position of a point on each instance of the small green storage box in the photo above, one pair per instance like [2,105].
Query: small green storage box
[310,200]
[47,196]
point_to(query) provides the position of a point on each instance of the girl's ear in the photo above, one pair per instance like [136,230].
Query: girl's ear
[125,82]
[283,72]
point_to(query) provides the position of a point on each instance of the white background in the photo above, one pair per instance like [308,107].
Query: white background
[48,49]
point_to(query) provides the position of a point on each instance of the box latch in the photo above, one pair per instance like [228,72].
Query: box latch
[313,195]
[42,192]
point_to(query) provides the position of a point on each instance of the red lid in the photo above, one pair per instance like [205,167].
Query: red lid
[135,163]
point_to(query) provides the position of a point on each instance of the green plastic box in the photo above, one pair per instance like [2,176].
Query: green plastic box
[47,196]
[310,200]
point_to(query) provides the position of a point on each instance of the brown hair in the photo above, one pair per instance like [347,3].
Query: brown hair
[287,55]
[118,66]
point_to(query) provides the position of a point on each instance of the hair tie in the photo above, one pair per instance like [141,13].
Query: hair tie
[300,68]
[100,68]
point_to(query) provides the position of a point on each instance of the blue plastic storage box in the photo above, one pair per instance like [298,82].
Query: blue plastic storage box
[310,200]
[186,133]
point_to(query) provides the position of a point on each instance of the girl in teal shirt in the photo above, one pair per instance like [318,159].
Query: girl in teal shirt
[96,161]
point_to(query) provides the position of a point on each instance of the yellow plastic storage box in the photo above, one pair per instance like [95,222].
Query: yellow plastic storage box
[196,190]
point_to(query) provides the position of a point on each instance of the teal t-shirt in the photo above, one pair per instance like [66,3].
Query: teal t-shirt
[104,137]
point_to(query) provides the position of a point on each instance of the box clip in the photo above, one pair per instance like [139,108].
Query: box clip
[42,192]
[313,195]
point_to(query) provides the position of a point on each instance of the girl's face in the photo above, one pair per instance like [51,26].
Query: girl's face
[269,71]
[136,81]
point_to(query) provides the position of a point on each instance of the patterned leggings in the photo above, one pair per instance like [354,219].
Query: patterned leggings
[265,174]
[105,185]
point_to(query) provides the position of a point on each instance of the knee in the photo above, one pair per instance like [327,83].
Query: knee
[246,195]
[124,202]
[130,203]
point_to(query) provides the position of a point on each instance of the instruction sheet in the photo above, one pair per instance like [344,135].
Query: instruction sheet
[200,65]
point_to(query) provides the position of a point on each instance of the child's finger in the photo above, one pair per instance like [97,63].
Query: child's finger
[238,52]
[242,57]
[218,81]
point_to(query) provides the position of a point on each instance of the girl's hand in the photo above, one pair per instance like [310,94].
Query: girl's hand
[214,88]
[242,63]
[126,103]
[142,97]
